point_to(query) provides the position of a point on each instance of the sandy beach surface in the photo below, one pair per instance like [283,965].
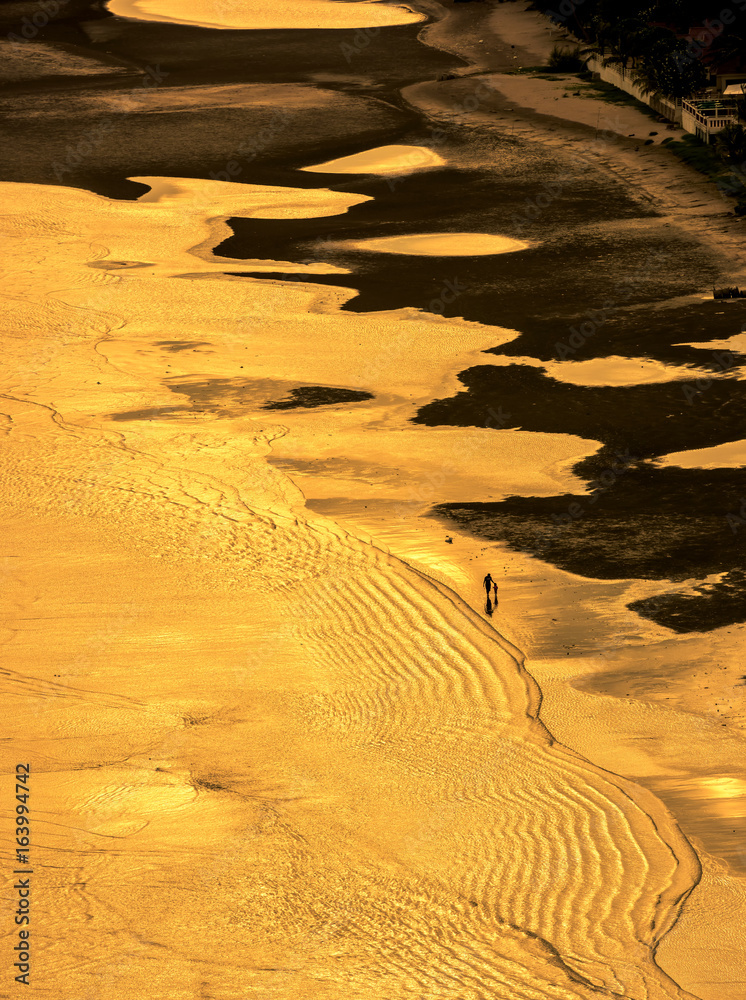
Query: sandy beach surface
[289,369]
[268,14]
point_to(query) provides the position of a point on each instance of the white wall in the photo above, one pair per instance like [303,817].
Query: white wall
[689,124]
[622,79]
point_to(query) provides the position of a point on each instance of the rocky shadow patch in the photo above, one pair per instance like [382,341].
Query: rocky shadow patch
[235,397]
[317,395]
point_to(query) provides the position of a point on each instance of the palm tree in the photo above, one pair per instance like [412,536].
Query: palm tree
[629,38]
[731,143]
[667,68]
[728,46]
[682,13]
[602,30]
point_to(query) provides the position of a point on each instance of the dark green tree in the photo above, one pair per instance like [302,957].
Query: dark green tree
[731,143]
[669,68]
[728,47]
[630,39]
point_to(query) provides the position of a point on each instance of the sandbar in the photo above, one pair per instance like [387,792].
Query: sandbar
[268,14]
[382,160]
[442,245]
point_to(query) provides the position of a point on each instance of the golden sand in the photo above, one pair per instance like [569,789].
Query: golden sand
[606,371]
[735,343]
[251,725]
[382,160]
[270,758]
[442,245]
[249,201]
[731,455]
[269,14]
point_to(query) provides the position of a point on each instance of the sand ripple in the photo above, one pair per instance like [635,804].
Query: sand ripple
[360,793]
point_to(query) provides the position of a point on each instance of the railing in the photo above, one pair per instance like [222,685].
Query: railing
[670,109]
[711,117]
[714,123]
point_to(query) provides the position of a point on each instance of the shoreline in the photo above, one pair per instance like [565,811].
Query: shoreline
[680,194]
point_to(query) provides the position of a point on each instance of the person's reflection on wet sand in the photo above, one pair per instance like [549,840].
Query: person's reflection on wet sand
[488,607]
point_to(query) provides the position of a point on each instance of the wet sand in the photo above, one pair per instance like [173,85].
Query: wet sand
[269,708]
